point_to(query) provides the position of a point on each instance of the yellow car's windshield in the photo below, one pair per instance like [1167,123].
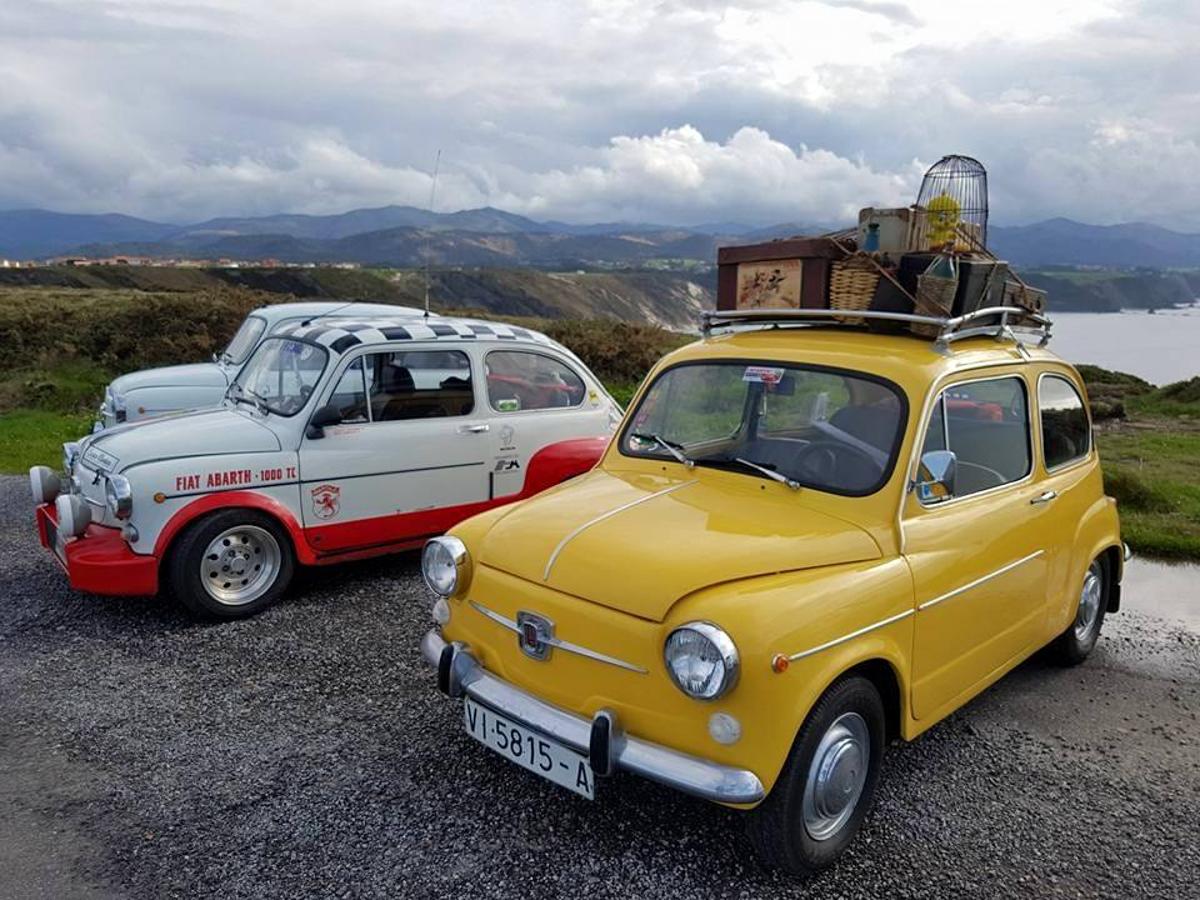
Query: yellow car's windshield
[833,430]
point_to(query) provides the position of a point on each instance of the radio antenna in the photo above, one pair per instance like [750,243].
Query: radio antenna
[432,196]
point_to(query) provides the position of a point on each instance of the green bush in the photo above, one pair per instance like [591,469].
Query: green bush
[120,331]
[1133,492]
[1095,375]
[618,352]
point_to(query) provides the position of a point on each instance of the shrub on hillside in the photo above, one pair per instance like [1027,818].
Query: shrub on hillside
[616,351]
[120,331]
[1133,492]
[1182,391]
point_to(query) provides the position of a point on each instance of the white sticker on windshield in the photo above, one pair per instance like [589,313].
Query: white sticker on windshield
[763,374]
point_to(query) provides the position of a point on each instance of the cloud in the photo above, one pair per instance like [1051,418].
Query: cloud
[677,175]
[670,110]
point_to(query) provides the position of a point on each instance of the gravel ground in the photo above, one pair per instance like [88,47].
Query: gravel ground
[306,752]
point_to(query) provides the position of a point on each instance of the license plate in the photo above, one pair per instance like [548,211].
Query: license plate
[529,749]
[57,544]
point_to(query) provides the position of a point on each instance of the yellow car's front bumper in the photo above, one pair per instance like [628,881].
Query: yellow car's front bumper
[601,738]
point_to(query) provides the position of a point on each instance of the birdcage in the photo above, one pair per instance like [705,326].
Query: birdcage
[954,196]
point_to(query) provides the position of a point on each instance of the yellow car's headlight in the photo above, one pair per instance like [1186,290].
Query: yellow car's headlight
[702,660]
[446,565]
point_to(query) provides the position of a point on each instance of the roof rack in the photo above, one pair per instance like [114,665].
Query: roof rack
[994,321]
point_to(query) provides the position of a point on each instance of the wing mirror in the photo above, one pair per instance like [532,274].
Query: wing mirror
[325,416]
[936,476]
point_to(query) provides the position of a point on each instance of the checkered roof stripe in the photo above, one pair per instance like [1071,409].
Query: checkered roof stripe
[343,334]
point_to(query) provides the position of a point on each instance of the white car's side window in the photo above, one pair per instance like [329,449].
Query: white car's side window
[350,394]
[416,384]
[519,380]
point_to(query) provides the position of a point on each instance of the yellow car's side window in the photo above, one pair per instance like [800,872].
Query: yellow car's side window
[985,425]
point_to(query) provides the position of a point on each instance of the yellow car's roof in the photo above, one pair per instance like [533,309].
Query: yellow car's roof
[910,361]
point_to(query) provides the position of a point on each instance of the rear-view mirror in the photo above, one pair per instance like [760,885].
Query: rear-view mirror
[936,476]
[325,416]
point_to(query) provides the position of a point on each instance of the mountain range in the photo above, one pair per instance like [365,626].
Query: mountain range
[406,236]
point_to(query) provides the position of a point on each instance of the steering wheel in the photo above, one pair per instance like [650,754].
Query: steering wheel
[820,458]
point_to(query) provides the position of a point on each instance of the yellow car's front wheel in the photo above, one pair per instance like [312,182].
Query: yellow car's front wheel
[828,782]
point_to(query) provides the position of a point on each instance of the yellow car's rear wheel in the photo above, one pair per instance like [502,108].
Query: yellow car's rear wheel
[1079,639]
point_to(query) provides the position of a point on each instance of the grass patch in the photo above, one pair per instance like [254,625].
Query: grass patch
[1152,467]
[72,385]
[30,437]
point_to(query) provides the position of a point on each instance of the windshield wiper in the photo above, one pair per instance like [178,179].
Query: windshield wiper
[244,392]
[670,446]
[770,473]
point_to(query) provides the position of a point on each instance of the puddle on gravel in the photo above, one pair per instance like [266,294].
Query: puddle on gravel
[1163,589]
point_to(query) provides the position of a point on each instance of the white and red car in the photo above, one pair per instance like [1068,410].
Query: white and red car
[337,440]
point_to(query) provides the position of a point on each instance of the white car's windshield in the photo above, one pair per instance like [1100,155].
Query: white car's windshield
[835,431]
[245,339]
[280,376]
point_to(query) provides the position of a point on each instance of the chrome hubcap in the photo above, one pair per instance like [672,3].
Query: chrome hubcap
[240,565]
[836,776]
[1089,603]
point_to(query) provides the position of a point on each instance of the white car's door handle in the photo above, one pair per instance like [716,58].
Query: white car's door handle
[1044,497]
[476,428]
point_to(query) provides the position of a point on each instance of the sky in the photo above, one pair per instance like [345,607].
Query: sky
[759,111]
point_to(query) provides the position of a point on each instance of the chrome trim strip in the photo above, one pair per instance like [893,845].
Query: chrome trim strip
[600,518]
[978,581]
[849,637]
[565,646]
[690,774]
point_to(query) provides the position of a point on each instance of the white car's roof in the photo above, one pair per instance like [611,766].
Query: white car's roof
[278,311]
[339,335]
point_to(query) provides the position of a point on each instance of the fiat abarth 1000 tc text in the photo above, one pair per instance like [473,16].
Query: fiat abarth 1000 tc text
[336,441]
[166,389]
[802,543]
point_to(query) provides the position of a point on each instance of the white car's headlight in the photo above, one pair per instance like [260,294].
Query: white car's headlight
[702,660]
[45,484]
[70,456]
[119,494]
[73,513]
[445,564]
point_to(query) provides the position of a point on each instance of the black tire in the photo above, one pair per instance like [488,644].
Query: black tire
[242,573]
[778,828]
[1075,644]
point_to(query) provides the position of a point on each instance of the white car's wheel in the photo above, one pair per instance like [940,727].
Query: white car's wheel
[231,564]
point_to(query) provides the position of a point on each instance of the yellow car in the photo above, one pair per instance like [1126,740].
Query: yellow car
[805,541]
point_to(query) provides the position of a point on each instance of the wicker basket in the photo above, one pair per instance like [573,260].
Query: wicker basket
[852,286]
[935,297]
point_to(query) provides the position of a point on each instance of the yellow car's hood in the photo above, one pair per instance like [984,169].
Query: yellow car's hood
[638,543]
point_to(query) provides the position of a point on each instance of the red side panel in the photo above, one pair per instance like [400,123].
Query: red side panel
[556,463]
[386,534]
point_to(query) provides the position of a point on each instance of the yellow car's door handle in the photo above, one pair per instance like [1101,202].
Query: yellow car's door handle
[1044,497]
